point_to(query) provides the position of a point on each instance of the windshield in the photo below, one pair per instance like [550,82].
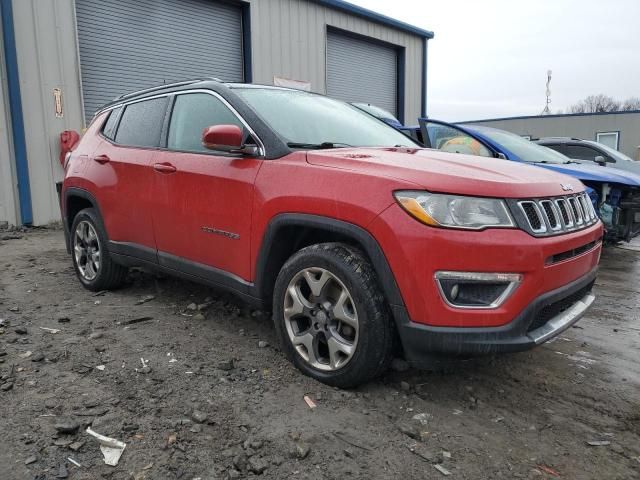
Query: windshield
[614,153]
[305,120]
[376,111]
[526,150]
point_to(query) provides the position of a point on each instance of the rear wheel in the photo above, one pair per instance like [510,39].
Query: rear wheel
[94,267]
[331,317]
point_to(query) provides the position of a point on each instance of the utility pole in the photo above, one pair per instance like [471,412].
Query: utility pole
[546,110]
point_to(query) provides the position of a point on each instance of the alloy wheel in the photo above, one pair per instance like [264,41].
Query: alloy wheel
[86,249]
[321,319]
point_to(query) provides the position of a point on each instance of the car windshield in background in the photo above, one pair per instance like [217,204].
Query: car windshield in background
[376,111]
[619,156]
[526,150]
[308,120]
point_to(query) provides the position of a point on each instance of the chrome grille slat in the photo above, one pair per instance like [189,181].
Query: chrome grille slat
[534,216]
[557,215]
[575,209]
[552,216]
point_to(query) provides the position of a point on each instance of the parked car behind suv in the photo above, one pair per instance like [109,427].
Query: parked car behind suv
[341,225]
[591,153]
[615,193]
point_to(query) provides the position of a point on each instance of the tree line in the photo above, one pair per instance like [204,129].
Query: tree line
[604,103]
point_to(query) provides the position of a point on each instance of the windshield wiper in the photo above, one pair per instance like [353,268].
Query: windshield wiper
[317,146]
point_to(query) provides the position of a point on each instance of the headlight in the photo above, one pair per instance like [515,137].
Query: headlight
[454,211]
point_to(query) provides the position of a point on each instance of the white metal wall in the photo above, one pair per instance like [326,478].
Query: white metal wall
[288,39]
[8,184]
[47,59]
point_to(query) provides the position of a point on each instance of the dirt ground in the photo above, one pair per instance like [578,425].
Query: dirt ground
[215,399]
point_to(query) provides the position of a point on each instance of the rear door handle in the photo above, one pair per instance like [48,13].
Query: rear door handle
[164,167]
[101,159]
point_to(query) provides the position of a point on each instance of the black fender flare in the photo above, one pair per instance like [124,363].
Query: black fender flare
[358,234]
[76,192]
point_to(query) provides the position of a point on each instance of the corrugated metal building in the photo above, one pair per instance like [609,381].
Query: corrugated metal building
[61,59]
[618,130]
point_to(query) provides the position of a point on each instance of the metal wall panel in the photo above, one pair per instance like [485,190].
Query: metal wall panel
[126,46]
[47,59]
[362,71]
[8,186]
[289,40]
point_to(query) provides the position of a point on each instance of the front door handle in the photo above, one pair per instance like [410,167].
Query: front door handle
[102,159]
[164,167]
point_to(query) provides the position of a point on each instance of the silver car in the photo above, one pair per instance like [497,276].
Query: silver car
[590,152]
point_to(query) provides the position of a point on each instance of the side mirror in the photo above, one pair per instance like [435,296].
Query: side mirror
[226,138]
[501,156]
[600,160]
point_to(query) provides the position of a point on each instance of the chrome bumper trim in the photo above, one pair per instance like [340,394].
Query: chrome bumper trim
[564,320]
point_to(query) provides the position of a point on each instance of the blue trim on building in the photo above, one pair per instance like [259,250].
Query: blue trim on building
[400,97]
[246,42]
[423,94]
[375,17]
[556,115]
[15,106]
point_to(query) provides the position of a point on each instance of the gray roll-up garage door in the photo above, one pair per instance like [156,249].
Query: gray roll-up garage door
[362,71]
[129,45]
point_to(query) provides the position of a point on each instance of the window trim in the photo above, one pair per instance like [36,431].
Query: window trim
[611,132]
[115,127]
[165,126]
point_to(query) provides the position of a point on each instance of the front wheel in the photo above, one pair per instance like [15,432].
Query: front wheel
[331,317]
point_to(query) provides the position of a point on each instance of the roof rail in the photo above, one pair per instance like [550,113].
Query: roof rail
[560,138]
[166,85]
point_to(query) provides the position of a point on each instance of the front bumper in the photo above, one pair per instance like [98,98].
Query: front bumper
[546,317]
[557,274]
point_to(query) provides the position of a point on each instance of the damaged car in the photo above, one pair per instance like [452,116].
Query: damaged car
[615,193]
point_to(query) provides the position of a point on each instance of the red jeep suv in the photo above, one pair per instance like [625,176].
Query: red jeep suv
[348,231]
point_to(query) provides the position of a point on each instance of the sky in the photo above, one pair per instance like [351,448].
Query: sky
[490,58]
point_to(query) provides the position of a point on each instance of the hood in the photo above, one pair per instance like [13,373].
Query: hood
[590,173]
[443,172]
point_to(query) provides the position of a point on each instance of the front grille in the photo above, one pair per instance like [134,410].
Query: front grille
[553,216]
[547,312]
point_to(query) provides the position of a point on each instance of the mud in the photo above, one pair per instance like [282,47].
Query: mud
[209,401]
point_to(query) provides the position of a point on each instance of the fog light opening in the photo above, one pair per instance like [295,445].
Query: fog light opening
[476,290]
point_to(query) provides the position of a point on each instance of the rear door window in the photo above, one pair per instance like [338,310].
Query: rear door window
[109,129]
[141,123]
[194,112]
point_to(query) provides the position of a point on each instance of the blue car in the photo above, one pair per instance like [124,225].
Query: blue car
[615,193]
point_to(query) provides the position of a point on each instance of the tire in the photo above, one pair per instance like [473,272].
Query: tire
[357,325]
[88,236]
